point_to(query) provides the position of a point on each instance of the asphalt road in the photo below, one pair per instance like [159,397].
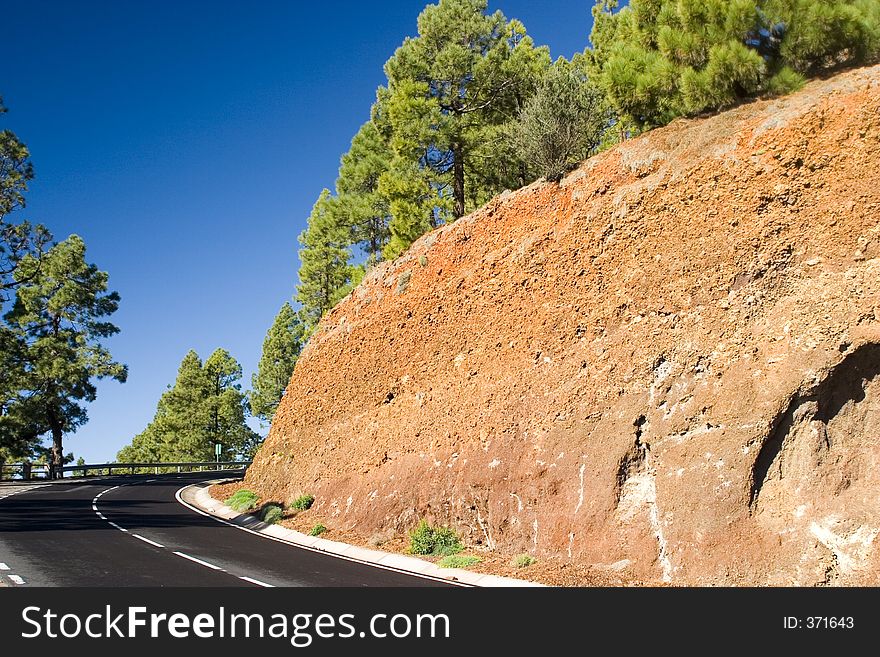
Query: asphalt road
[131,531]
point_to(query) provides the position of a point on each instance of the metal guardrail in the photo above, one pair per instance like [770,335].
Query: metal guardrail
[29,471]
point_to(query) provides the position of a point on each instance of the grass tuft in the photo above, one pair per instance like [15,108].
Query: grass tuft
[243,501]
[272,513]
[458,561]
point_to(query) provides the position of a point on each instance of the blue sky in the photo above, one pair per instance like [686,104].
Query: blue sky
[186,143]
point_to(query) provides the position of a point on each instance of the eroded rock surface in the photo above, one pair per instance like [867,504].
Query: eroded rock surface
[668,362]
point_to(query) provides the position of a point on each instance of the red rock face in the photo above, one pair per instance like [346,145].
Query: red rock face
[670,360]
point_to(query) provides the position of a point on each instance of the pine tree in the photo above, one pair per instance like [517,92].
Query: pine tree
[227,407]
[363,208]
[658,59]
[448,88]
[22,248]
[325,273]
[16,170]
[58,319]
[17,241]
[281,349]
[205,406]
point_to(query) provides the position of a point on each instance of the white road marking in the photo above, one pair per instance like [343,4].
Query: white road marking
[101,516]
[146,540]
[257,582]
[16,579]
[189,506]
[113,524]
[198,561]
[3,566]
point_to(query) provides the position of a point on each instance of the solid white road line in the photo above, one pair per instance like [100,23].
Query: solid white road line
[257,582]
[3,566]
[146,540]
[16,579]
[380,566]
[198,561]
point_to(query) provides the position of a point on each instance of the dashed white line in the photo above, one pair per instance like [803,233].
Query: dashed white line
[146,540]
[198,561]
[257,582]
[178,496]
[15,578]
[3,566]
[159,545]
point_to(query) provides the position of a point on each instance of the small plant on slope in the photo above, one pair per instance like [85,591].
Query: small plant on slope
[436,541]
[302,503]
[243,500]
[272,513]
[458,561]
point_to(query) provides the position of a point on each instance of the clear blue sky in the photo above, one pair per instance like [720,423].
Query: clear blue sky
[186,142]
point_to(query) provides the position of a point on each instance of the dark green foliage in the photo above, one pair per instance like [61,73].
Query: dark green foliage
[363,209]
[436,541]
[325,274]
[16,170]
[437,145]
[659,59]
[281,348]
[563,123]
[271,514]
[450,89]
[205,406]
[317,530]
[242,501]
[54,307]
[57,324]
[303,503]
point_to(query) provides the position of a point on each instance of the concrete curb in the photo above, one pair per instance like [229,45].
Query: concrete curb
[198,496]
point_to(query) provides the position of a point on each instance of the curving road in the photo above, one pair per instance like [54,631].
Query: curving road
[131,531]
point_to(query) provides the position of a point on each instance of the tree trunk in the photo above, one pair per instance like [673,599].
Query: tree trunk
[57,449]
[458,180]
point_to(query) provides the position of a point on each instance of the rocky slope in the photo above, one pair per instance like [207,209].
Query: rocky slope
[666,364]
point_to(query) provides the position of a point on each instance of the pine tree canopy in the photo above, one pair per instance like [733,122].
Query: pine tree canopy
[281,348]
[55,331]
[205,406]
[659,59]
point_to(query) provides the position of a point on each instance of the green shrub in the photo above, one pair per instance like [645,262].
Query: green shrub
[563,123]
[403,282]
[243,500]
[523,561]
[317,530]
[458,561]
[272,513]
[302,502]
[437,541]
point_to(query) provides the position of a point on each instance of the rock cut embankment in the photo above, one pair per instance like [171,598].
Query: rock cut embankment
[667,364]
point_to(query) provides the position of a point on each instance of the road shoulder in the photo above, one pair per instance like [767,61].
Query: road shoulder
[198,496]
